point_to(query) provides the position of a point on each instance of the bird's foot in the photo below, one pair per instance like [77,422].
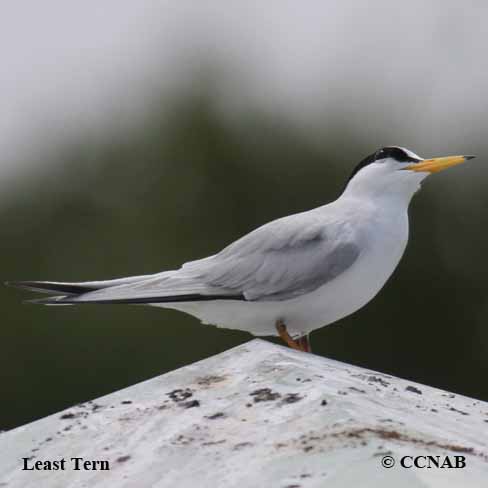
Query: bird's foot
[304,342]
[301,344]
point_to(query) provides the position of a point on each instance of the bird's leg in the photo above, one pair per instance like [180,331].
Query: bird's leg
[283,333]
[304,343]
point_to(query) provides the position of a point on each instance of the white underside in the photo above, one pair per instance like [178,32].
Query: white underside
[384,238]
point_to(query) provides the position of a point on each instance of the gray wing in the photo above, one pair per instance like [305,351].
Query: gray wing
[284,259]
[281,260]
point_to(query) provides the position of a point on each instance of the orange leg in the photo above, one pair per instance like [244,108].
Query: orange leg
[302,344]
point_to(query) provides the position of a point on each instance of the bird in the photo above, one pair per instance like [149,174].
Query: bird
[292,275]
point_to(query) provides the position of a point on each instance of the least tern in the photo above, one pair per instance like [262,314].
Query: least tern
[294,274]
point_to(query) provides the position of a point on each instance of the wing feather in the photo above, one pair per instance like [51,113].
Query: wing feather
[281,260]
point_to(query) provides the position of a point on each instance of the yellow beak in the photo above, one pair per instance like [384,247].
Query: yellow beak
[438,164]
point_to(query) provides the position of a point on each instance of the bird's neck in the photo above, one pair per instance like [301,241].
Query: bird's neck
[384,192]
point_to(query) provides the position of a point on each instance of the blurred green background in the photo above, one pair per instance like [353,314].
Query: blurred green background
[183,180]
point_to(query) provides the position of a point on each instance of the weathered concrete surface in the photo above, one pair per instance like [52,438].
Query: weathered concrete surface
[259,415]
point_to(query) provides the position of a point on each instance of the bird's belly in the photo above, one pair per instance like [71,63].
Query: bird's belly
[346,294]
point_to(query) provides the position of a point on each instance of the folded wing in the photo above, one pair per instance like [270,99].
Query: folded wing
[281,260]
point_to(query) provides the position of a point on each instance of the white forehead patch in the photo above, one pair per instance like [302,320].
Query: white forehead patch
[410,153]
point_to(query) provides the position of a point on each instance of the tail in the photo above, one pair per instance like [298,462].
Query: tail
[68,289]
[53,287]
[117,291]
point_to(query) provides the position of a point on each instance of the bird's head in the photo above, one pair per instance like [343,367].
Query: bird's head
[395,171]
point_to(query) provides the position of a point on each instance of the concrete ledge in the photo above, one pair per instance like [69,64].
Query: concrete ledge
[258,415]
